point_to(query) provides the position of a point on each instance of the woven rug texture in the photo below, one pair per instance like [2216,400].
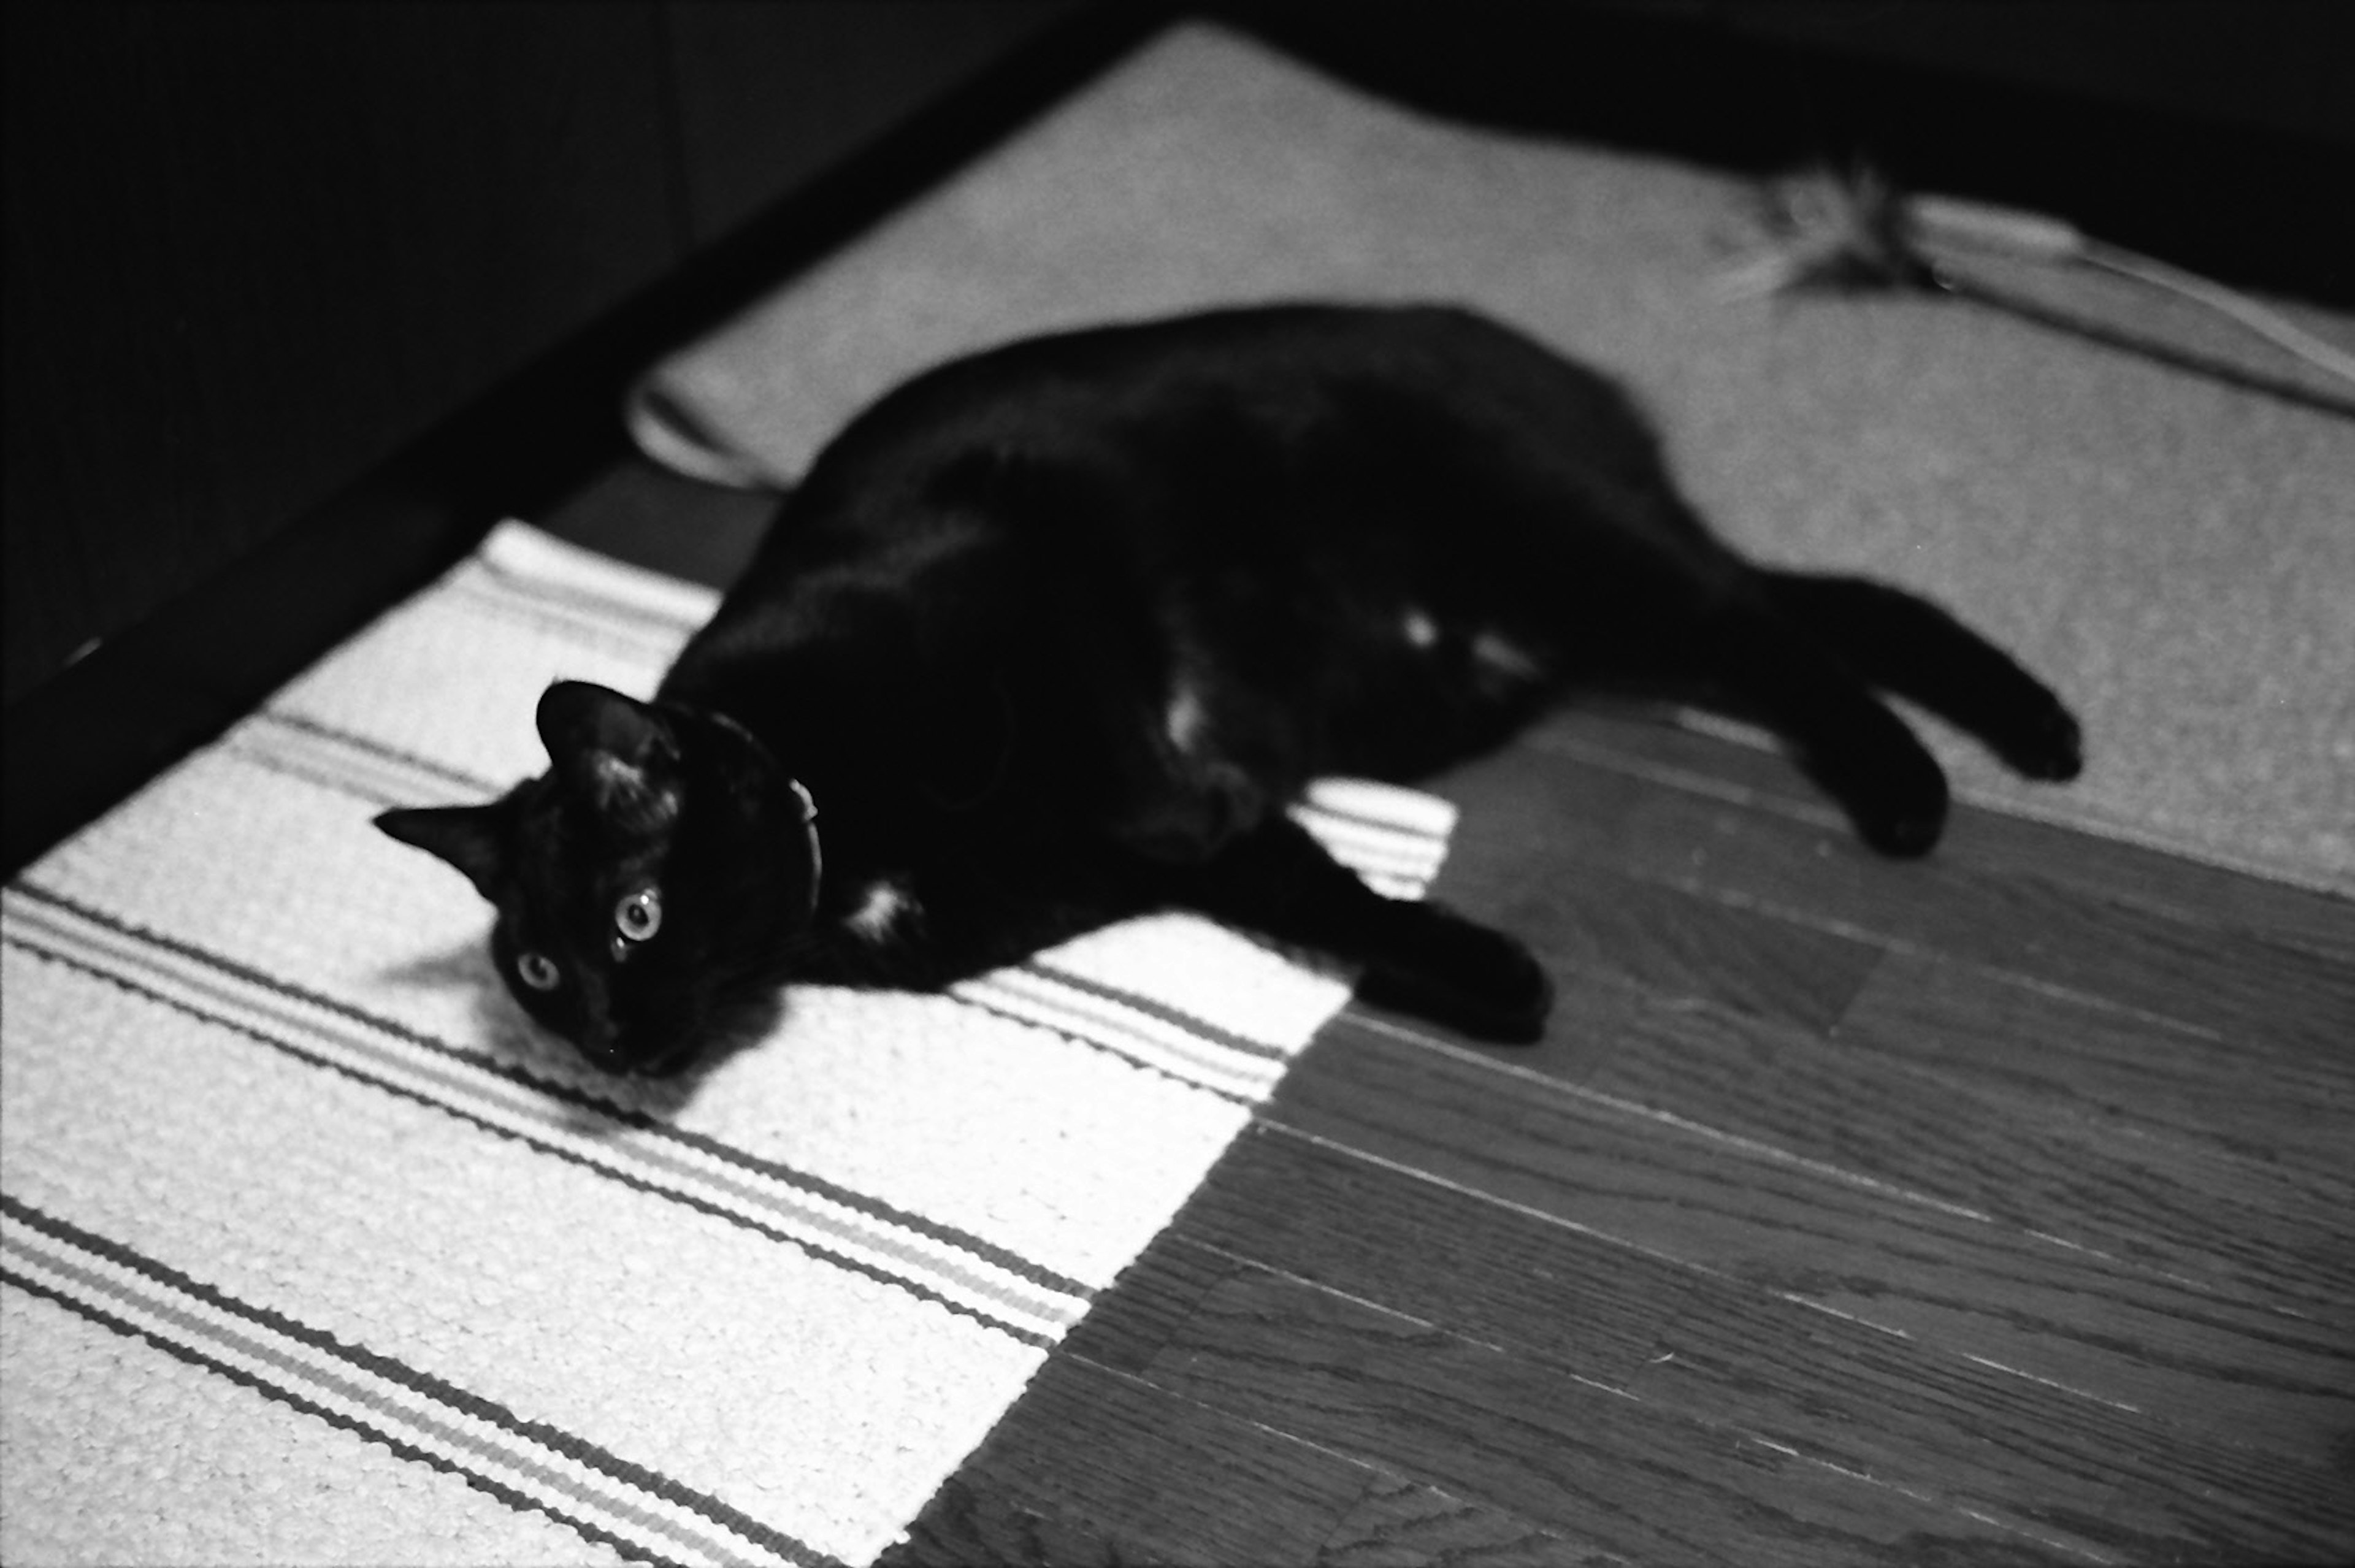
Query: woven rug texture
[314,1251]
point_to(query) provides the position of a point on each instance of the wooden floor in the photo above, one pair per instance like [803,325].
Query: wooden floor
[1992,1209]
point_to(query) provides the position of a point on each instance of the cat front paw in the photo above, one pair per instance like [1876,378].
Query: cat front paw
[1897,800]
[1466,977]
[1905,836]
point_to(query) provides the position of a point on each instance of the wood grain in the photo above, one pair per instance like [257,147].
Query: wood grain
[1600,924]
[1693,1339]
[2272,996]
[2097,1064]
[1755,774]
[1947,1128]
[1889,1255]
[1630,1479]
[1402,1524]
[1984,1210]
[1078,1472]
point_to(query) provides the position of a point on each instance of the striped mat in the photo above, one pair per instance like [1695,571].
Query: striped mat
[313,1252]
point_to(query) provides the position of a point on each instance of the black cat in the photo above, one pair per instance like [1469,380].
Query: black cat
[1052,635]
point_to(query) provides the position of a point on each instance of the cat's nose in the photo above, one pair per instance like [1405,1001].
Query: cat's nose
[600,1041]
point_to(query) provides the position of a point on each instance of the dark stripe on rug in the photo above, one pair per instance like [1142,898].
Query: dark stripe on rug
[642,646]
[186,1326]
[702,1205]
[1206,1032]
[1013,1016]
[874,1207]
[1150,1007]
[353,738]
[556,1439]
[319,778]
[365,1431]
[578,600]
[816,1186]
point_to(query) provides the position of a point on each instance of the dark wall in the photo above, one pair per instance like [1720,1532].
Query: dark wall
[253,249]
[2216,134]
[2271,65]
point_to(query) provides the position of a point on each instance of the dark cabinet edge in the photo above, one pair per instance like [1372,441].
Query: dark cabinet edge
[89,735]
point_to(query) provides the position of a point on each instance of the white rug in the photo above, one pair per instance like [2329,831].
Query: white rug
[314,1252]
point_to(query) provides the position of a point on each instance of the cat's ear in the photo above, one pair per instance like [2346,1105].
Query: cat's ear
[611,750]
[470,838]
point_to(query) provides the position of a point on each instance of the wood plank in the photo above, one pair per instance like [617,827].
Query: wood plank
[2237,1225]
[1093,1466]
[1641,1013]
[1601,922]
[1125,1329]
[2046,1460]
[1530,817]
[1651,745]
[1405,1524]
[2101,1066]
[1398,1520]
[1900,1260]
[1611,1470]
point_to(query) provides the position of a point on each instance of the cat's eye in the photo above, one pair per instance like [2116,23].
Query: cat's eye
[639,915]
[537,971]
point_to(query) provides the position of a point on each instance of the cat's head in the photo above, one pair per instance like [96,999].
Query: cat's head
[646,884]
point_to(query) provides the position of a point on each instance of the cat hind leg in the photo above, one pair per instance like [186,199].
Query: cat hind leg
[1843,736]
[1417,957]
[1911,649]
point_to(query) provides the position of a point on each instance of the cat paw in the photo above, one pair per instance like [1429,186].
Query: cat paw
[1902,817]
[1466,977]
[2050,749]
[1907,838]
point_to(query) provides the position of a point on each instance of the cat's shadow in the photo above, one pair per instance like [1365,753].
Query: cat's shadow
[586,1102]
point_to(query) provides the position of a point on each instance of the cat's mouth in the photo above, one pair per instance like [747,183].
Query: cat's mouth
[667,1063]
[636,1062]
[625,1051]
[725,1025]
